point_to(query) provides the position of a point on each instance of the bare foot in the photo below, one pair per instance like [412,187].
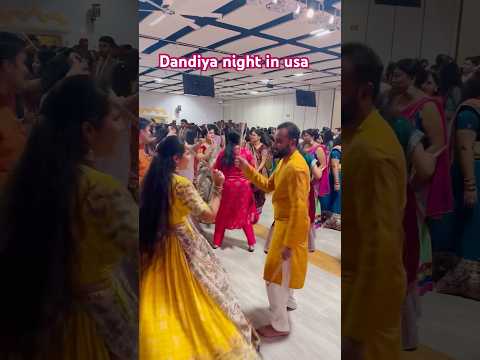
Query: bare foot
[269,332]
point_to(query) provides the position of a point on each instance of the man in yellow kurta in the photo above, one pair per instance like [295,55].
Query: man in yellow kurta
[286,265]
[373,276]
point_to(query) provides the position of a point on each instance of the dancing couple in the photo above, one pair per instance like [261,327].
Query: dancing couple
[187,306]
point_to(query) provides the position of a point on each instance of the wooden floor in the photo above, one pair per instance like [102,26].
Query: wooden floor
[316,323]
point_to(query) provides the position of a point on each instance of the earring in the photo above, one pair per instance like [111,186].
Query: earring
[90,155]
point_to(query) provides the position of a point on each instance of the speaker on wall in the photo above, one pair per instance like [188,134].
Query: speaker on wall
[408,3]
[198,85]
[306,98]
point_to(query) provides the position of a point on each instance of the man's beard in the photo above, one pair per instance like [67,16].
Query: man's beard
[348,113]
[280,154]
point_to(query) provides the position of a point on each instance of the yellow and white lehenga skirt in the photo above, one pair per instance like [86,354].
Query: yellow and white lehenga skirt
[187,308]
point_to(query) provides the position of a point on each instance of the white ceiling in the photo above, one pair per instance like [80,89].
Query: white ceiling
[218,27]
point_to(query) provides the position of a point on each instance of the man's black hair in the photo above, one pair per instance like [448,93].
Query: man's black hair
[367,66]
[109,40]
[293,130]
[10,45]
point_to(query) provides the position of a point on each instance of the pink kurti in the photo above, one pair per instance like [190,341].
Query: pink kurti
[237,207]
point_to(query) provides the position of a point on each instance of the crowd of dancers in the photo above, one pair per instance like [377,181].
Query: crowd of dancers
[321,150]
[194,176]
[419,172]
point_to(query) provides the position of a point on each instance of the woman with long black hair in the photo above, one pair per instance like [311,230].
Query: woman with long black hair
[67,230]
[187,307]
[259,144]
[206,156]
[237,208]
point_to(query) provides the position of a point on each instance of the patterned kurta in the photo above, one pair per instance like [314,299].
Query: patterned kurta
[291,185]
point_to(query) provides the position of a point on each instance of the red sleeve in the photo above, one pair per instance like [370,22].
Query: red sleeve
[218,162]
[248,155]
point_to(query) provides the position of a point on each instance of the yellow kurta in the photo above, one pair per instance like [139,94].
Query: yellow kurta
[373,276]
[12,142]
[291,185]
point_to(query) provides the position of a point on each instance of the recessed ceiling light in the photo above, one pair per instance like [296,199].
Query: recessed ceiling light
[322,32]
[297,11]
[254,92]
[310,13]
[299,74]
[158,81]
[157,20]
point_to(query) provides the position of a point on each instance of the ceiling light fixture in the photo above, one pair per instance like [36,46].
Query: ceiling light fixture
[310,13]
[254,92]
[158,81]
[158,19]
[320,32]
[299,74]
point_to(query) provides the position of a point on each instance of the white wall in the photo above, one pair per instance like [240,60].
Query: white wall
[399,32]
[469,44]
[337,110]
[197,109]
[119,19]
[270,111]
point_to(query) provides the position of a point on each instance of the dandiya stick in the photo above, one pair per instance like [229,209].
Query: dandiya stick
[242,131]
[25,36]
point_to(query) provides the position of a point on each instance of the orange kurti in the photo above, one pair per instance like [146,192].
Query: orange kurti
[144,161]
[12,143]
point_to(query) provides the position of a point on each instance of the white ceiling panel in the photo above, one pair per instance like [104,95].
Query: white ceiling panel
[250,16]
[161,26]
[207,35]
[144,43]
[282,50]
[330,39]
[320,56]
[246,44]
[174,50]
[291,29]
[327,65]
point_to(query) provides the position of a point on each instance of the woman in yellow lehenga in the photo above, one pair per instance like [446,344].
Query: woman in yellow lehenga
[187,308]
[67,229]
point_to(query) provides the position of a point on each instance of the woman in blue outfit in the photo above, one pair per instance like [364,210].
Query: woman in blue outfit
[335,196]
[464,245]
